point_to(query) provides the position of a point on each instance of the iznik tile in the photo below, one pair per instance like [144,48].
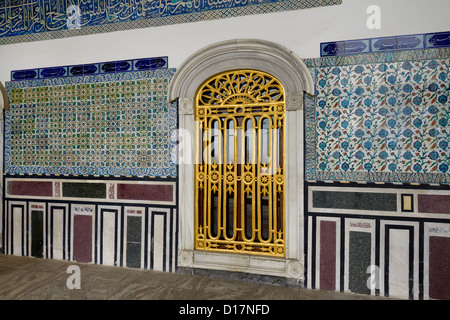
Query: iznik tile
[384,121]
[105,124]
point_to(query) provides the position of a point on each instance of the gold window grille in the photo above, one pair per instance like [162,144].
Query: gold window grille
[240,164]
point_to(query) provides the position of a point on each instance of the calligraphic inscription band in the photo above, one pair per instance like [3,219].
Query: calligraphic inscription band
[34,20]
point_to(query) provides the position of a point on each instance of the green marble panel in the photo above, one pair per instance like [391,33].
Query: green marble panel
[84,190]
[355,200]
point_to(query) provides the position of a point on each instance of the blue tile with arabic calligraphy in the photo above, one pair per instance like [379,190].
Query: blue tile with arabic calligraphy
[345,47]
[145,64]
[397,43]
[386,44]
[91,69]
[53,72]
[435,40]
[85,69]
[24,74]
[116,66]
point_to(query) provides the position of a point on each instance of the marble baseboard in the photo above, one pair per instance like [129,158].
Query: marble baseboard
[242,276]
[250,268]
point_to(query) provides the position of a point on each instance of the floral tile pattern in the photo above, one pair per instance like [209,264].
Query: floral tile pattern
[107,124]
[387,121]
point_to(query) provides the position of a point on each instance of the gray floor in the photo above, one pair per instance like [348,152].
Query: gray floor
[42,279]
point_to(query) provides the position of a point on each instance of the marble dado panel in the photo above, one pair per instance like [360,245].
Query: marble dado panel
[120,234]
[380,118]
[389,240]
[155,192]
[105,124]
[372,200]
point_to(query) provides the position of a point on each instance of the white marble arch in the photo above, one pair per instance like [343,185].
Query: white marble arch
[283,64]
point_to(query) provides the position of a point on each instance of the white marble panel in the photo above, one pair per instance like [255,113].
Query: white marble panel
[399,263]
[17,230]
[58,233]
[108,237]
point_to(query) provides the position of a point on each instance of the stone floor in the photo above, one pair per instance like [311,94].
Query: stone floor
[25,278]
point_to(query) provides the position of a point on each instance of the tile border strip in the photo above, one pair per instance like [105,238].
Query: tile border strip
[385,44]
[109,67]
[377,57]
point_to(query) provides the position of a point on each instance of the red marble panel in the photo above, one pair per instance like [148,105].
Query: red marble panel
[328,255]
[150,192]
[432,203]
[82,238]
[31,188]
[439,266]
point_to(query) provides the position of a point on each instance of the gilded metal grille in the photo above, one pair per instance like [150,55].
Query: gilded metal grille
[240,169]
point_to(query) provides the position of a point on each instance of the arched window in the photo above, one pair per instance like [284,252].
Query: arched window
[240,166]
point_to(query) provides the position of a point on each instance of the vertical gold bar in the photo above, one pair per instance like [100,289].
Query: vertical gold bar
[242,214]
[224,188]
[255,142]
[258,173]
[274,158]
[253,161]
[270,174]
[237,195]
[209,189]
[220,163]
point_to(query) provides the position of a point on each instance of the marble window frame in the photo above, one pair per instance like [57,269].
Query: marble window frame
[284,65]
